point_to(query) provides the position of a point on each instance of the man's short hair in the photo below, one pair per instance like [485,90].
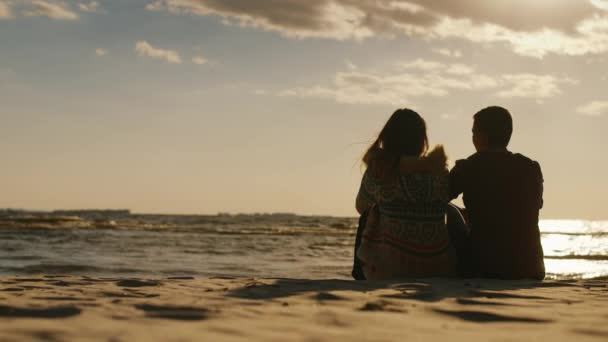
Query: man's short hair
[496,123]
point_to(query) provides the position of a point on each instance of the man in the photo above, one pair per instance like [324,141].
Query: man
[502,193]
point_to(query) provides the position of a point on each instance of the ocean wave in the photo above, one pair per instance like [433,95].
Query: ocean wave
[221,223]
[596,257]
[576,234]
[22,257]
[235,229]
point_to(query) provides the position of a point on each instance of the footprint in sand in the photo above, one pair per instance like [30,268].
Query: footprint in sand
[130,294]
[465,301]
[54,312]
[137,283]
[382,306]
[419,295]
[592,332]
[30,280]
[326,296]
[60,283]
[183,313]
[490,294]
[45,335]
[30,287]
[65,299]
[488,317]
[332,319]
[180,278]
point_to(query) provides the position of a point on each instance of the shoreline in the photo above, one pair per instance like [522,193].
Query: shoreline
[70,308]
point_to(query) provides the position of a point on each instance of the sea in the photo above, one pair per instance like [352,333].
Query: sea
[122,244]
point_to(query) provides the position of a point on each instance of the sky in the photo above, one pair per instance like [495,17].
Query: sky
[206,106]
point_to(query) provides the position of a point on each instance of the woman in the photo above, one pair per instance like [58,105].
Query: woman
[405,193]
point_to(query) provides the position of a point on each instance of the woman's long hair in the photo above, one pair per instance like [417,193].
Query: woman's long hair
[403,135]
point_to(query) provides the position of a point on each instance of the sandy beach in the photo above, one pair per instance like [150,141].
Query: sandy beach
[58,308]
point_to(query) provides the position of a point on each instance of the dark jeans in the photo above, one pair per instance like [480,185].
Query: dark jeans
[357,272]
[459,236]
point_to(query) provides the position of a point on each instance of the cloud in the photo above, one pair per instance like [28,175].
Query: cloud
[144,48]
[92,6]
[291,18]
[422,65]
[52,10]
[531,28]
[533,86]
[460,69]
[199,60]
[101,52]
[422,78]
[5,10]
[435,66]
[516,15]
[410,80]
[595,108]
[591,37]
[601,4]
[449,53]
[350,65]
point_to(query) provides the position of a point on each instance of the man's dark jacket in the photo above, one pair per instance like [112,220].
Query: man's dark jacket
[503,194]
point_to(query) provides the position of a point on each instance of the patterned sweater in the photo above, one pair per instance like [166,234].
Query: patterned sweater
[406,232]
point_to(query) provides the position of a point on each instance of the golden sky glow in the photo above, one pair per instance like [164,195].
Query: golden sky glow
[200,106]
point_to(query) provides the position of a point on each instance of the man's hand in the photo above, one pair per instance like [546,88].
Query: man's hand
[434,162]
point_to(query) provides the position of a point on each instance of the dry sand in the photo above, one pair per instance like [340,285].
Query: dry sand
[54,308]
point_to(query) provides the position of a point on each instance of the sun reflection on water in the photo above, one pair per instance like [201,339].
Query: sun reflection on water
[575,248]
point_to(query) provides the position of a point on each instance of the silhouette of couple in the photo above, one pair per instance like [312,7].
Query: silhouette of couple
[404,202]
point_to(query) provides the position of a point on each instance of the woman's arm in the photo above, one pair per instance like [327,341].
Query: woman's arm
[364,199]
[363,205]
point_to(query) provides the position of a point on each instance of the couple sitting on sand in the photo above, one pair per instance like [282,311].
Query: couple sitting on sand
[404,202]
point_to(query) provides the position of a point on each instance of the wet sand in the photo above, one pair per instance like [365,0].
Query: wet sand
[56,308]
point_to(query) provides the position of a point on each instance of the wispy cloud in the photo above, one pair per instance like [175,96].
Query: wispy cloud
[291,18]
[435,66]
[144,48]
[92,6]
[350,65]
[199,60]
[534,86]
[562,27]
[424,78]
[101,52]
[595,108]
[5,10]
[460,69]
[590,36]
[423,65]
[52,10]
[602,4]
[409,80]
[449,53]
